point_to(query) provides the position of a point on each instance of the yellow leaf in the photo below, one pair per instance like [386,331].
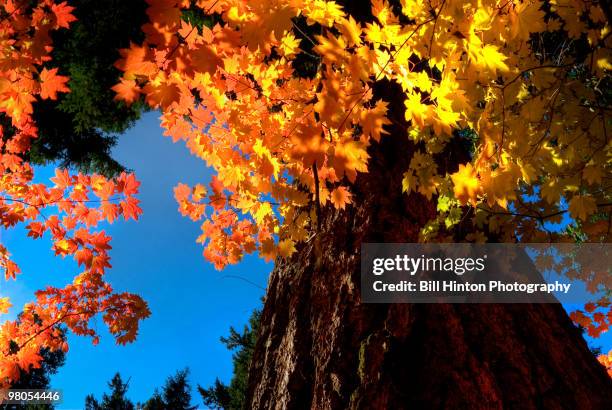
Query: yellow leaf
[349,157]
[551,191]
[416,111]
[290,45]
[493,59]
[332,48]
[453,218]
[263,210]
[5,304]
[199,192]
[408,182]
[323,12]
[526,18]
[466,184]
[351,30]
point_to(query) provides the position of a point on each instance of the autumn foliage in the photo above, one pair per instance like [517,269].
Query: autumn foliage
[284,142]
[68,210]
[278,98]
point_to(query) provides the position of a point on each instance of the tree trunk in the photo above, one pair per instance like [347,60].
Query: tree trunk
[320,348]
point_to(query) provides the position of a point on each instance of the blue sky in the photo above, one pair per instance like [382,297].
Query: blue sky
[192,304]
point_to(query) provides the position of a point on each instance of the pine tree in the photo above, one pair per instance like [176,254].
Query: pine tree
[115,400]
[177,391]
[80,128]
[176,394]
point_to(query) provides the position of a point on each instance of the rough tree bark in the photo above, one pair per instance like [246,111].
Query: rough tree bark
[320,348]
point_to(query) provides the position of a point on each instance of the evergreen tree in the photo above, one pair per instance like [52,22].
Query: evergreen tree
[116,400]
[232,397]
[156,402]
[80,127]
[177,393]
[218,396]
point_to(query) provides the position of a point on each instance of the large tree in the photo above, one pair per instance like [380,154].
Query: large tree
[331,124]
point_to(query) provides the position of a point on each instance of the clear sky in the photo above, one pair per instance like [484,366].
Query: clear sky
[192,304]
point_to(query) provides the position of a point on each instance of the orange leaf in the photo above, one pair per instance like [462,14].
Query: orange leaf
[51,84]
[127,90]
[340,197]
[63,14]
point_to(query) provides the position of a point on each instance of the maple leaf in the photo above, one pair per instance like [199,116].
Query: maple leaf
[128,184]
[465,184]
[63,14]
[35,229]
[204,59]
[268,250]
[349,157]
[110,211]
[592,174]
[162,93]
[51,84]
[290,45]
[416,111]
[62,178]
[373,120]
[165,12]
[127,90]
[286,248]
[351,30]
[582,206]
[526,18]
[136,60]
[332,48]
[323,12]
[340,197]
[181,192]
[130,208]
[493,59]
[84,256]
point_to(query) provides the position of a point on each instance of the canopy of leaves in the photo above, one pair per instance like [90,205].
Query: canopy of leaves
[527,83]
[528,80]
